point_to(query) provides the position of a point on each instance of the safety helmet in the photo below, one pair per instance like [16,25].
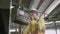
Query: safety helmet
[33,9]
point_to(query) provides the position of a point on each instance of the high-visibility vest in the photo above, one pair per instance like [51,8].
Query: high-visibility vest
[40,23]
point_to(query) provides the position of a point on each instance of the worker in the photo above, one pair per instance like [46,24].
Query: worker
[36,25]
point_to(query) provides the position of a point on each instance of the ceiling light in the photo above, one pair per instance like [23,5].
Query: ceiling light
[12,7]
[57,21]
[49,23]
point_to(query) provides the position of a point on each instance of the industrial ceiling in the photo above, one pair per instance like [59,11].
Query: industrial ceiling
[46,8]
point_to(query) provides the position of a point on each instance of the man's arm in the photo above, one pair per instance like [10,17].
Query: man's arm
[42,24]
[27,30]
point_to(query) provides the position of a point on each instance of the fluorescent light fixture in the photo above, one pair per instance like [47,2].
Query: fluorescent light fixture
[17,29]
[57,21]
[12,7]
[52,22]
[12,30]
[19,6]
[49,23]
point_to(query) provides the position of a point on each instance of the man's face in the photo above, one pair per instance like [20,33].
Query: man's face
[33,15]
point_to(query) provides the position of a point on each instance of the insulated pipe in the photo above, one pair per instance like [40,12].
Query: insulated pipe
[35,4]
[51,7]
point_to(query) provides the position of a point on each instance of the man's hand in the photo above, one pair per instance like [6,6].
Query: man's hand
[36,26]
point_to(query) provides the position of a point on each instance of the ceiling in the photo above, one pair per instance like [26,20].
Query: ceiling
[48,7]
[41,5]
[55,14]
[51,8]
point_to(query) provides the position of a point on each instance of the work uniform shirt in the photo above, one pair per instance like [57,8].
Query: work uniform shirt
[31,27]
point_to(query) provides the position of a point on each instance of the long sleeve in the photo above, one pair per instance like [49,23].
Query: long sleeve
[27,30]
[41,23]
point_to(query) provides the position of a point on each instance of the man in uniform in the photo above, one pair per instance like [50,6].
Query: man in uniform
[36,25]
